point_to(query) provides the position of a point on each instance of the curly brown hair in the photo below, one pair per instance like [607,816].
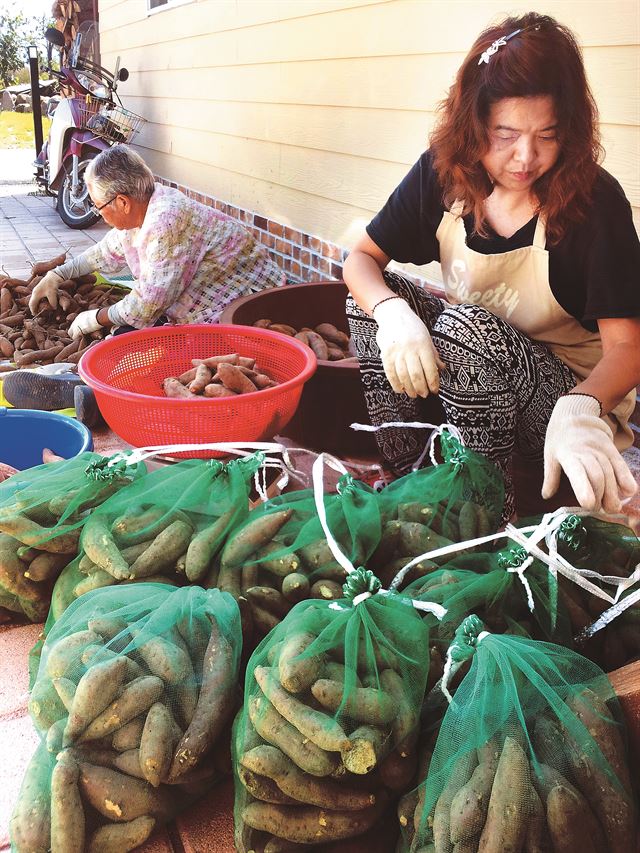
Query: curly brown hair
[543,59]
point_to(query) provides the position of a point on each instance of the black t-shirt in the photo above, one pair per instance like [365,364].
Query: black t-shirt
[594,271]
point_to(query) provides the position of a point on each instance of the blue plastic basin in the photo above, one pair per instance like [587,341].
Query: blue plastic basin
[24,433]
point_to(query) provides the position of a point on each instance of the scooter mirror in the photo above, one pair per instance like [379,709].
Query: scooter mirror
[123,75]
[54,37]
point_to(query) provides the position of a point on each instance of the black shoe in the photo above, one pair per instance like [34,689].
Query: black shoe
[30,389]
[87,411]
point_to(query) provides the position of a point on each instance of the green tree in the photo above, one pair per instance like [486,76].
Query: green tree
[11,46]
[16,34]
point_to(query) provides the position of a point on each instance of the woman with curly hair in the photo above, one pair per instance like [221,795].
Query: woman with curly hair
[537,347]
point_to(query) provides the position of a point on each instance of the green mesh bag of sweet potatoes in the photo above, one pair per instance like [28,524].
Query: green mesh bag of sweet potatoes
[531,755]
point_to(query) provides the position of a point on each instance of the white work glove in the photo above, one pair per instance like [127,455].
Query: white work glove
[581,443]
[409,357]
[45,289]
[85,323]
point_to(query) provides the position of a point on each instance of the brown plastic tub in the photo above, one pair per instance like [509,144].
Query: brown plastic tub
[332,399]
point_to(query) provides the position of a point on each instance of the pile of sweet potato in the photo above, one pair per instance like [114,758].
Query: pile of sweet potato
[132,736]
[307,774]
[37,540]
[266,587]
[498,799]
[327,342]
[218,376]
[44,339]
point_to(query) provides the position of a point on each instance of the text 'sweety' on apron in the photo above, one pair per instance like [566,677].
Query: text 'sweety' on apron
[515,286]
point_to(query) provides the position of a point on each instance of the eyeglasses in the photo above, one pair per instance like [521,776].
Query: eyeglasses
[97,208]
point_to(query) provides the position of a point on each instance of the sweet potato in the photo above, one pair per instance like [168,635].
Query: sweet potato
[274,729]
[578,810]
[97,688]
[309,824]
[397,772]
[330,333]
[405,721]
[507,816]
[43,267]
[100,546]
[64,541]
[164,658]
[254,535]
[215,705]
[46,566]
[67,814]
[262,788]
[164,550]
[203,546]
[30,825]
[136,698]
[295,587]
[282,565]
[200,380]
[470,803]
[64,655]
[298,673]
[364,750]
[271,762]
[605,783]
[122,837]
[216,360]
[157,743]
[363,704]
[66,689]
[234,379]
[569,831]
[269,599]
[172,387]
[128,736]
[318,345]
[122,798]
[326,590]
[318,727]
[213,391]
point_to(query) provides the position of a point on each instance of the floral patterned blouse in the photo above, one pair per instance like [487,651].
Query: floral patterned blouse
[189,262]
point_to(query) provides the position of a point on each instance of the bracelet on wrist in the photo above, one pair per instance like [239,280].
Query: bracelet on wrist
[380,301]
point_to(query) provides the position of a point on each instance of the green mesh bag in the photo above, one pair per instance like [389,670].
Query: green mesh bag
[460,499]
[42,512]
[531,755]
[605,555]
[326,739]
[509,590]
[134,697]
[281,556]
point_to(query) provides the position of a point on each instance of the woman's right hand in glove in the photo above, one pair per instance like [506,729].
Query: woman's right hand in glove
[409,356]
[47,289]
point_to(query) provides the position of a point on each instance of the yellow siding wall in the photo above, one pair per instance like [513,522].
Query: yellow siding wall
[309,112]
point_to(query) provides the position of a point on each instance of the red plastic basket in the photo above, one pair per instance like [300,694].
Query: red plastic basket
[126,374]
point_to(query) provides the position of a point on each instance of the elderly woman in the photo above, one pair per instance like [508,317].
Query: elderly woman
[188,259]
[538,344]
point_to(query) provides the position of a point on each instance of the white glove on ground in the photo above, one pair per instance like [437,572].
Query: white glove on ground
[581,443]
[409,357]
[85,323]
[45,289]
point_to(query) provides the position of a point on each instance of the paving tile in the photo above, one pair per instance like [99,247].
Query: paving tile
[19,741]
[15,643]
[208,826]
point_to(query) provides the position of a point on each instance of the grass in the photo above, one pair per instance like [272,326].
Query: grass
[16,129]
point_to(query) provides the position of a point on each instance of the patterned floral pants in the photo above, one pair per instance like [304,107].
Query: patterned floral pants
[499,387]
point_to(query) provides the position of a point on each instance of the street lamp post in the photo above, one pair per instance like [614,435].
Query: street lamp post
[35,96]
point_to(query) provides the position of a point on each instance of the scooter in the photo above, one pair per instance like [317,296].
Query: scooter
[86,121]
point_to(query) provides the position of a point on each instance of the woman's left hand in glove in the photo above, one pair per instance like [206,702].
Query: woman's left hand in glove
[580,442]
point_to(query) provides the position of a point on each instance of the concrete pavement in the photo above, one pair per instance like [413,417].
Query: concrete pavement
[30,228]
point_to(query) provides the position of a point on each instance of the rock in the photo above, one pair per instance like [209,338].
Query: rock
[8,102]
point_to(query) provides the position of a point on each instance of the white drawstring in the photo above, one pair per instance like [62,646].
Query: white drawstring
[437,429]
[342,559]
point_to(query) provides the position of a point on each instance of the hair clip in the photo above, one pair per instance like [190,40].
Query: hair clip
[493,48]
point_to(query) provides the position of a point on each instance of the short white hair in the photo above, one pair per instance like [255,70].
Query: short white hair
[120,171]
